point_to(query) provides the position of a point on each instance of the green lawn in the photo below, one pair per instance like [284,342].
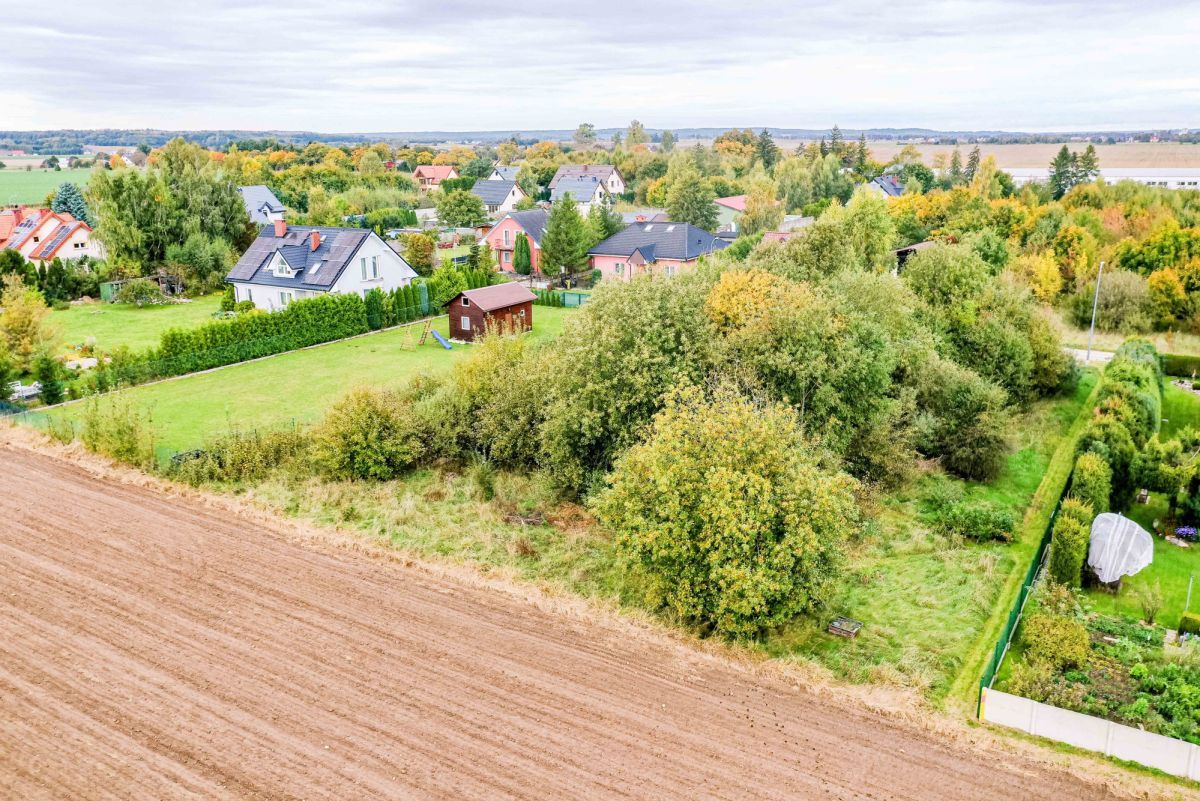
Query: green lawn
[20,186]
[116,324]
[926,600]
[1180,409]
[292,387]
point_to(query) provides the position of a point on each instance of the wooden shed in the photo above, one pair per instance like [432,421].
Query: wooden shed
[504,304]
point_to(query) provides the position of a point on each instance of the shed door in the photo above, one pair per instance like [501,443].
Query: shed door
[466,323]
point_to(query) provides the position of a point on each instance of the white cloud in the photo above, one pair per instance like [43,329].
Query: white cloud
[470,65]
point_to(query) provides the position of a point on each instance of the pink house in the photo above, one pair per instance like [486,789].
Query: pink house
[502,237]
[651,247]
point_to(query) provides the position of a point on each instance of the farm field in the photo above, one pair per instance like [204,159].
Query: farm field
[115,324]
[191,651]
[294,387]
[19,186]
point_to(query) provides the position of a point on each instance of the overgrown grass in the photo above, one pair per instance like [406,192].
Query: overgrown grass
[927,600]
[1164,341]
[116,324]
[292,388]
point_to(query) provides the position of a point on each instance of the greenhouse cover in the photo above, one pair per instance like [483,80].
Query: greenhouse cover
[1119,547]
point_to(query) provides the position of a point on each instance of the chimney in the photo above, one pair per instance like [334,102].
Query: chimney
[314,239]
[280,229]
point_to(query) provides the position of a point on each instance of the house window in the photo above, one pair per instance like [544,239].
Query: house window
[620,267]
[285,298]
[374,266]
[507,257]
[363,263]
[249,294]
[466,301]
[466,323]
[670,271]
[507,237]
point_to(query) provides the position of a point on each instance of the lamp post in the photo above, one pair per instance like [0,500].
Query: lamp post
[1095,303]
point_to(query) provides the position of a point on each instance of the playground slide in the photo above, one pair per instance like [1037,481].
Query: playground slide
[441,340]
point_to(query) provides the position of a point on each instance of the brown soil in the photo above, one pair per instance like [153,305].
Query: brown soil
[153,646]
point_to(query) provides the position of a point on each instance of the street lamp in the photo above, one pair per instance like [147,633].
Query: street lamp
[1095,303]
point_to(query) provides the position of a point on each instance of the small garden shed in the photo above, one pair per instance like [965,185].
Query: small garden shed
[509,304]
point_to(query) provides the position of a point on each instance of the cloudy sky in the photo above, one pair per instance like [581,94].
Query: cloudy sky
[335,66]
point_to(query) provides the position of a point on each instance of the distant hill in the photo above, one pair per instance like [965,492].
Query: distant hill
[73,141]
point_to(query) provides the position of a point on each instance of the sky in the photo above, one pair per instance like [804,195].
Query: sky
[464,65]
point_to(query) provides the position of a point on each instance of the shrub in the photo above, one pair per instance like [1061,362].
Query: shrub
[49,373]
[1110,440]
[964,420]
[373,306]
[979,521]
[1189,623]
[120,431]
[228,298]
[368,434]
[1068,550]
[140,292]
[728,511]
[240,456]
[1056,642]
[243,306]
[1183,366]
[1091,481]
[1124,305]
[1150,598]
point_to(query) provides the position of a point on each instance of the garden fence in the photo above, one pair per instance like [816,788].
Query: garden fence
[1014,616]
[1176,757]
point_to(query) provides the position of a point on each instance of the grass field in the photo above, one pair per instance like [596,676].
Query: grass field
[292,387]
[20,186]
[1180,409]
[1164,341]
[114,324]
[923,598]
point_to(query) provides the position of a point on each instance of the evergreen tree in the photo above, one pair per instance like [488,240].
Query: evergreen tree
[54,282]
[862,154]
[766,150]
[972,163]
[823,148]
[1062,172]
[48,372]
[835,141]
[522,260]
[565,240]
[1087,167]
[955,173]
[603,222]
[690,200]
[68,199]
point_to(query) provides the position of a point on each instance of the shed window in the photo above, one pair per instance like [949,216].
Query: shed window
[466,323]
[466,301]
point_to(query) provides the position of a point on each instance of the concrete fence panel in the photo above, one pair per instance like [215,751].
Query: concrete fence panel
[1169,755]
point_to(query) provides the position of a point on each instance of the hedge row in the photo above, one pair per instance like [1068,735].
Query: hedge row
[548,297]
[1129,411]
[1183,366]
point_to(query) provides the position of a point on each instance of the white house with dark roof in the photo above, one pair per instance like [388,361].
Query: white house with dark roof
[261,204]
[287,263]
[586,192]
[499,197]
[504,172]
[607,174]
[649,247]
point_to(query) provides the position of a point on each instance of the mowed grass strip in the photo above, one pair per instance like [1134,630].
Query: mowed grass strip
[296,387]
[20,186]
[117,324]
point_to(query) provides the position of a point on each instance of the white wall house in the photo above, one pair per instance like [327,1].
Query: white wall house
[607,174]
[286,264]
[1163,177]
[499,197]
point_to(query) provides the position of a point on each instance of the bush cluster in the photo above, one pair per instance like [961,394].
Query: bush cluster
[1069,542]
[1055,641]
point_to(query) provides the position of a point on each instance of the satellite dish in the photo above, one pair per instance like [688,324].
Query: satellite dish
[1118,547]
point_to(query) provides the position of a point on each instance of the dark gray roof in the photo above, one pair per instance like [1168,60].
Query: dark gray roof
[581,190]
[669,240]
[507,172]
[492,193]
[598,171]
[256,198]
[337,249]
[890,185]
[532,221]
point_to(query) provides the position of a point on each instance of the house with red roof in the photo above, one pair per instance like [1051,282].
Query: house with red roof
[728,211]
[430,176]
[41,235]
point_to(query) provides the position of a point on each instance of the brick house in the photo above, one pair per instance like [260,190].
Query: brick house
[502,237]
[506,305]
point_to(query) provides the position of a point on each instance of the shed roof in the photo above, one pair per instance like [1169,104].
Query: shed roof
[498,296]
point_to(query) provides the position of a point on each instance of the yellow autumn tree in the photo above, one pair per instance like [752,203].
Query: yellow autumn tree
[1168,296]
[1040,272]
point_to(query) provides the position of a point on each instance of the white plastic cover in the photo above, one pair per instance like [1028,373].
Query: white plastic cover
[1118,547]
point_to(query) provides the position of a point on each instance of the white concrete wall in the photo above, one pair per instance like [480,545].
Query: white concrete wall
[1169,755]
